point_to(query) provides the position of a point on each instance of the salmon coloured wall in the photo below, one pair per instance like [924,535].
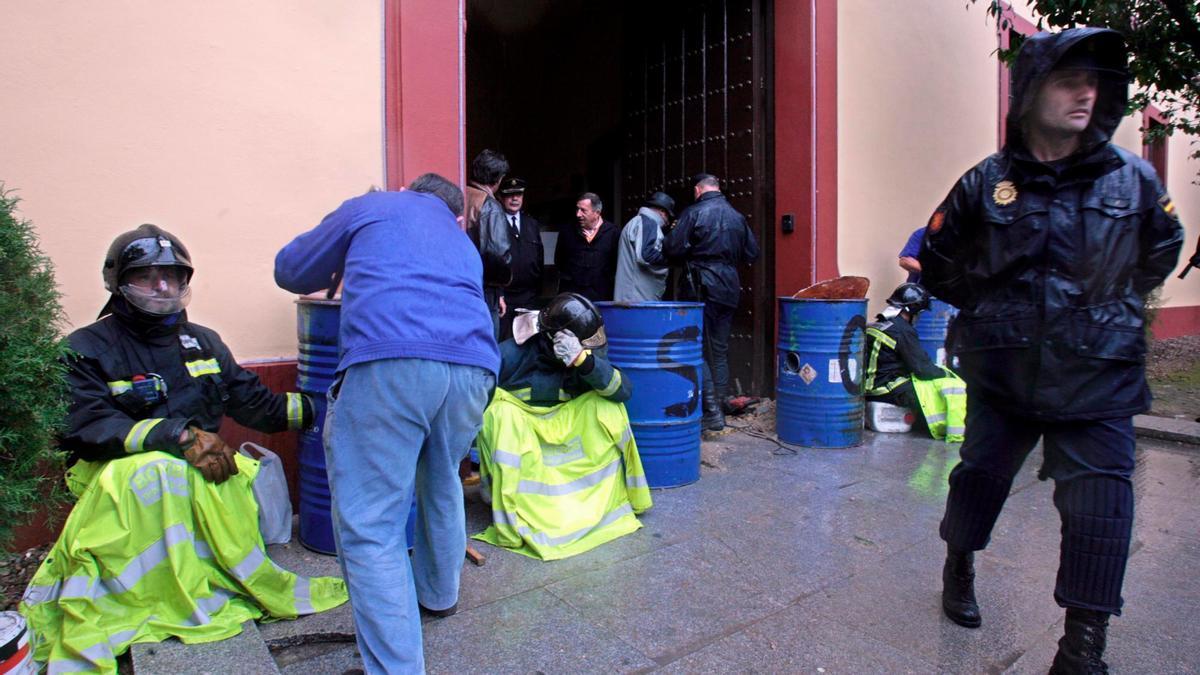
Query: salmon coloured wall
[235,125]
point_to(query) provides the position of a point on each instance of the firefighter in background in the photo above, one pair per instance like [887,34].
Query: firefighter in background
[901,373]
[164,540]
[557,457]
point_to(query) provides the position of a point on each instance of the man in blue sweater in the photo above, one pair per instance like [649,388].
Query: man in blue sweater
[417,367]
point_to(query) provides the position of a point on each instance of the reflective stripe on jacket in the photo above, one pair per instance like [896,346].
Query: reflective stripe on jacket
[894,354]
[195,374]
[152,550]
[944,406]
[562,479]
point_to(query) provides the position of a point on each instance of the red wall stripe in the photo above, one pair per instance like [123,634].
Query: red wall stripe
[806,142]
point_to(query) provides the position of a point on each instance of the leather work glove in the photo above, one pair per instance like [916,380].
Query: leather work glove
[568,349]
[208,453]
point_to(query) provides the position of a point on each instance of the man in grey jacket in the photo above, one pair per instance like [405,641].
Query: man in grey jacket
[641,269]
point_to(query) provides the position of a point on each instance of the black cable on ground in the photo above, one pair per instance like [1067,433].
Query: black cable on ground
[781,450]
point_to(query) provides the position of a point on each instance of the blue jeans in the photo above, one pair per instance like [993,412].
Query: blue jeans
[395,426]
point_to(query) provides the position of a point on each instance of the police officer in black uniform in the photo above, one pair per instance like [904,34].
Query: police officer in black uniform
[1050,248]
[145,378]
[528,253]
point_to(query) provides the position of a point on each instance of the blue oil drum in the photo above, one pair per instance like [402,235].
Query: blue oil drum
[931,326]
[657,345]
[316,521]
[818,385]
[317,324]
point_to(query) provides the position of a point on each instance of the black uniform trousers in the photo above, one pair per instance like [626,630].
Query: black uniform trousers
[718,323]
[1091,462]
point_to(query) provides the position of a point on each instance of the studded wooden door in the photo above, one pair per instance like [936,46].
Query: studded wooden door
[696,99]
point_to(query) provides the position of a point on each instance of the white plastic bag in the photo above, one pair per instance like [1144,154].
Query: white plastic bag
[271,491]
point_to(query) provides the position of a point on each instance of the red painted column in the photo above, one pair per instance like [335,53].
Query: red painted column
[806,142]
[424,114]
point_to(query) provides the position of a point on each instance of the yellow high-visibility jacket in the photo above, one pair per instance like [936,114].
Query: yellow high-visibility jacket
[151,550]
[562,479]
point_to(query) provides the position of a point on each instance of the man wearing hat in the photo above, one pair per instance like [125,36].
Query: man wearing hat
[641,269]
[525,233]
[711,240]
[1050,247]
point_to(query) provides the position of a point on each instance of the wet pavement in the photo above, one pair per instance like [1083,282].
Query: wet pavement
[819,561]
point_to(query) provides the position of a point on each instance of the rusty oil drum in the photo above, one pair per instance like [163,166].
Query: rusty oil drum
[818,386]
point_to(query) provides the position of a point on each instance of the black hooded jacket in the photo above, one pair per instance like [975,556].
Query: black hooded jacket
[1050,264]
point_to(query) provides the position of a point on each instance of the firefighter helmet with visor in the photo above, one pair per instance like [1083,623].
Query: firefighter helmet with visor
[151,269]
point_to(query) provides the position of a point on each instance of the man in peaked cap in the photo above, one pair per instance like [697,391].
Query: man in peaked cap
[528,253]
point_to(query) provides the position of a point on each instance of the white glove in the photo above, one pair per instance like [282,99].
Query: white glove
[567,347]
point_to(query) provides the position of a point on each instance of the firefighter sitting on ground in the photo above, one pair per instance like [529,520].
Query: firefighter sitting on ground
[901,373]
[164,539]
[557,457]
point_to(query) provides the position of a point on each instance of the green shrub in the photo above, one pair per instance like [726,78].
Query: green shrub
[33,390]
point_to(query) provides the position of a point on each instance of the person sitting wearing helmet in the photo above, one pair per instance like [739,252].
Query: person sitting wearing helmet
[164,539]
[901,373]
[557,458]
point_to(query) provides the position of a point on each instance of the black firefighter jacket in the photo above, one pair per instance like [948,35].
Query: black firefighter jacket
[110,416]
[908,359]
[1051,264]
[711,239]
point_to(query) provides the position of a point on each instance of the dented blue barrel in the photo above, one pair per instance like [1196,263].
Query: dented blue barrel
[317,323]
[658,346]
[818,385]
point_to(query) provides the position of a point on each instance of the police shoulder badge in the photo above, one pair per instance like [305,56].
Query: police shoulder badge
[1005,193]
[935,221]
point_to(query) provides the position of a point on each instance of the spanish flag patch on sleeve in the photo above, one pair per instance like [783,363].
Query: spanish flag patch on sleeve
[1168,206]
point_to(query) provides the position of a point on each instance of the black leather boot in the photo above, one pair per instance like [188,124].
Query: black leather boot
[1082,645]
[714,418]
[958,589]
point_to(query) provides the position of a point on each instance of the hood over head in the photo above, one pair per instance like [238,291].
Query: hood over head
[1099,49]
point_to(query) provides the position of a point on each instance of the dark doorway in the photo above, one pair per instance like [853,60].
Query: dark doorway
[625,98]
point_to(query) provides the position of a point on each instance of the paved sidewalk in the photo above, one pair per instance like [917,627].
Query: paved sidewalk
[822,561]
